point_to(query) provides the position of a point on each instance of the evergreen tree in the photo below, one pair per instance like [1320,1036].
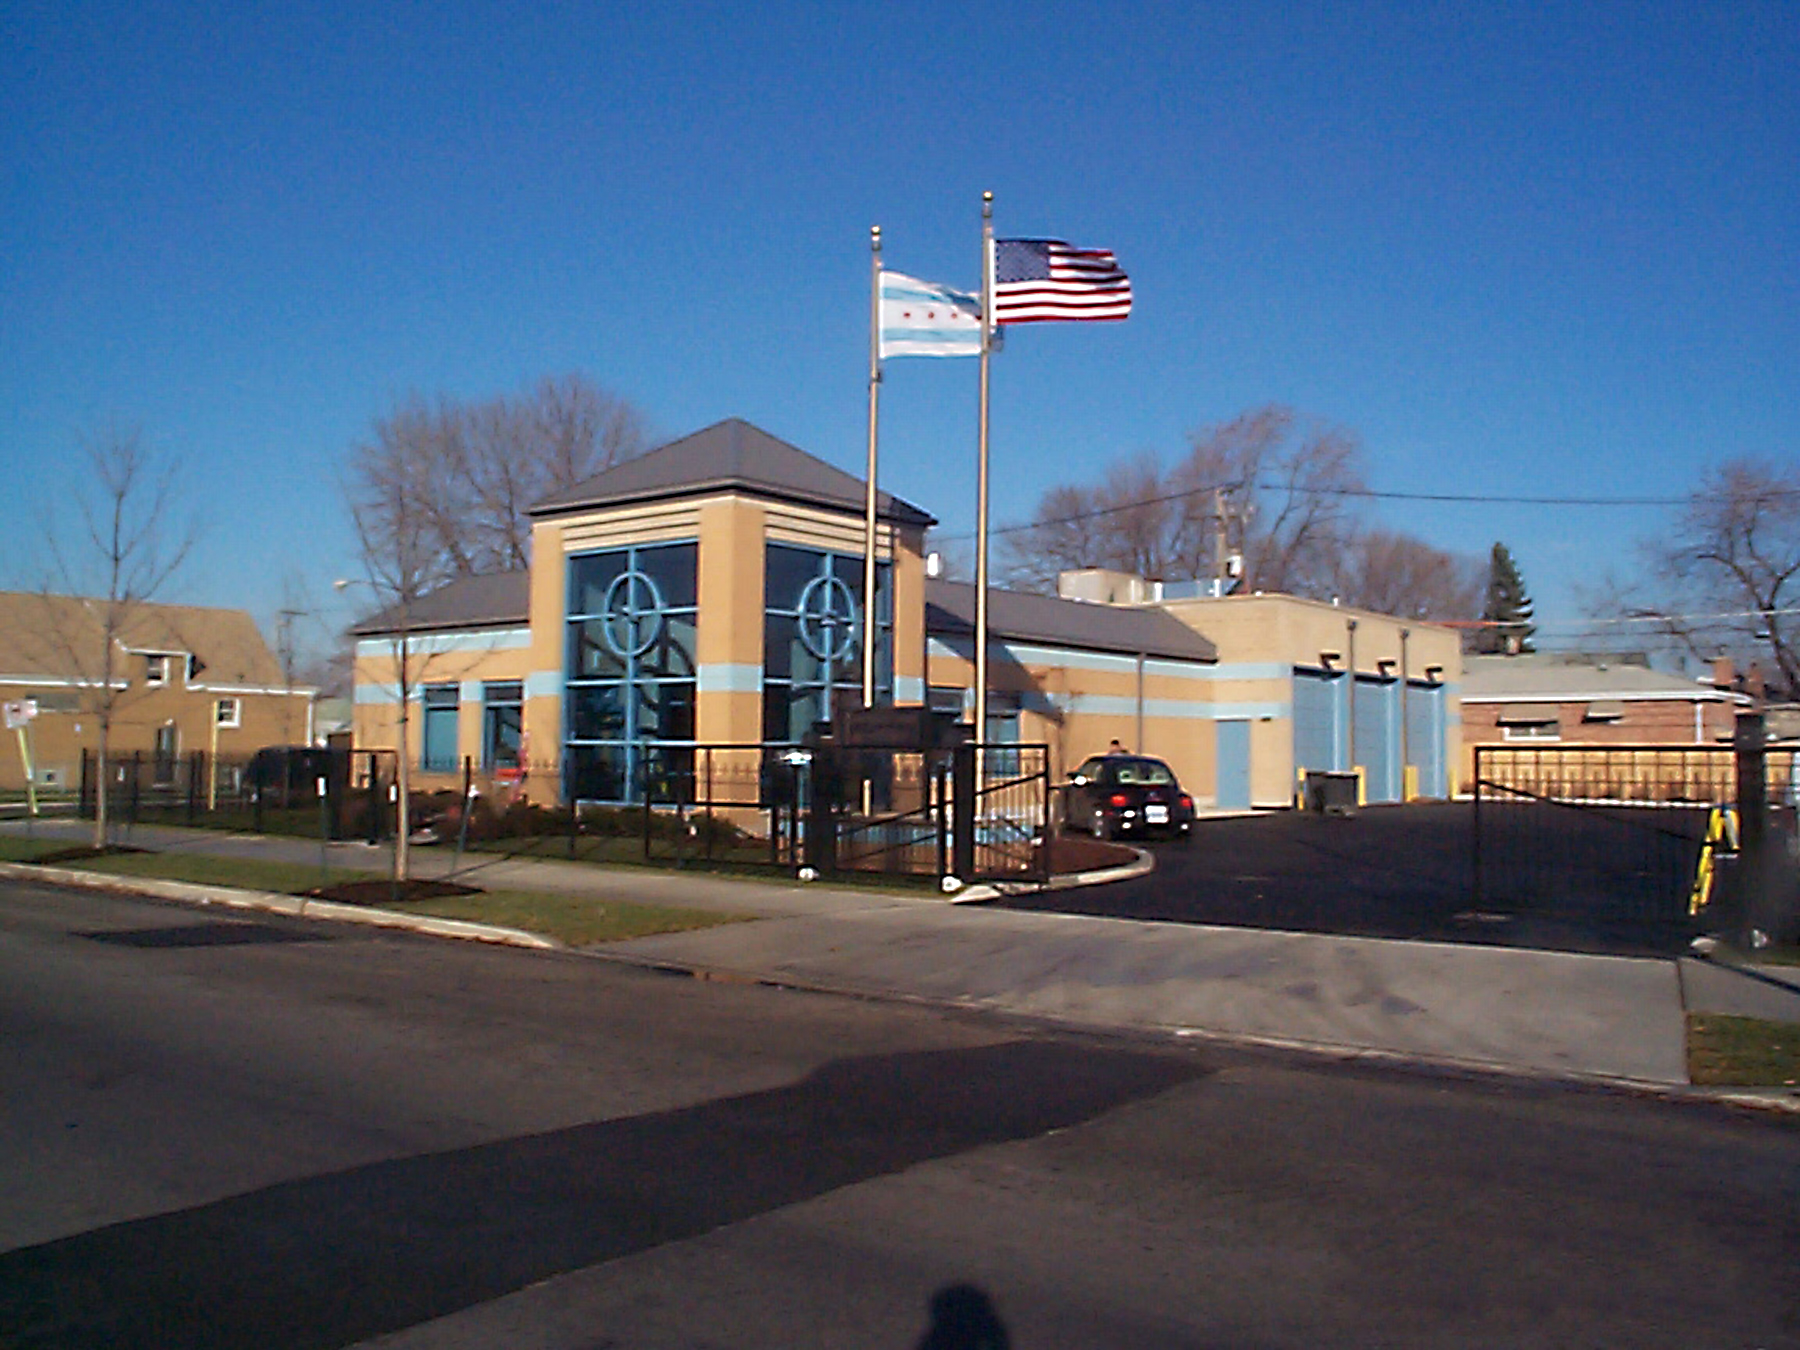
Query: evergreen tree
[1506,616]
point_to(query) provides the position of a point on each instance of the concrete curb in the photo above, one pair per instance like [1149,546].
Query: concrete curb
[1142,865]
[1778,1101]
[273,902]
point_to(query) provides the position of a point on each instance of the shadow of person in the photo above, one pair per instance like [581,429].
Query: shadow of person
[963,1318]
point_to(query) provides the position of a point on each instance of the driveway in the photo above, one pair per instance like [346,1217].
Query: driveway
[1392,872]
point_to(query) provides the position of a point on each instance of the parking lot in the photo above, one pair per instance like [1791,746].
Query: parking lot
[1402,872]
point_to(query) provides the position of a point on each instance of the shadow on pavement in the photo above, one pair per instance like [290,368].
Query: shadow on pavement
[332,1260]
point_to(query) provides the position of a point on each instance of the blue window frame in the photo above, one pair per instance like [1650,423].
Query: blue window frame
[502,724]
[438,741]
[628,714]
[813,637]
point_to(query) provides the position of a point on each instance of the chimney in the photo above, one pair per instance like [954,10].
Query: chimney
[1724,673]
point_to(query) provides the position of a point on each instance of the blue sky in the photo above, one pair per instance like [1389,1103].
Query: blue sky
[1521,250]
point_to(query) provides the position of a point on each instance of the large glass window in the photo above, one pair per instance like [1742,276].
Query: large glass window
[502,724]
[438,753]
[813,637]
[630,689]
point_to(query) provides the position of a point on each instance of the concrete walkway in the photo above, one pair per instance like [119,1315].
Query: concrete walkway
[1549,1014]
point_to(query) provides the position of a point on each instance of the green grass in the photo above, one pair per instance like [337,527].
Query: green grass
[250,874]
[1725,1051]
[576,920]
[17,848]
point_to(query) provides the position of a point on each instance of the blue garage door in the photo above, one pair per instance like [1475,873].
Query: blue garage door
[1234,766]
[1425,737]
[1318,721]
[1378,738]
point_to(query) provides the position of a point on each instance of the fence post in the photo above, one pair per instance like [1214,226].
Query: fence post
[85,806]
[137,783]
[962,810]
[374,799]
[1475,848]
[1750,746]
[193,785]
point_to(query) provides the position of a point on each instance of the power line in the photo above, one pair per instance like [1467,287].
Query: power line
[1372,494]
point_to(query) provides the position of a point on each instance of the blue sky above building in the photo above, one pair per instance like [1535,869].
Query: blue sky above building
[1520,250]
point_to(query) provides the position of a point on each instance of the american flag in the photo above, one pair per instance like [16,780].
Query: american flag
[1043,279]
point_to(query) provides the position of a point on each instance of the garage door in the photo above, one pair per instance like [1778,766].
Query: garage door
[1378,738]
[1425,737]
[1318,721]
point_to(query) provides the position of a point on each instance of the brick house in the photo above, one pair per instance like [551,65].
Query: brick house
[187,678]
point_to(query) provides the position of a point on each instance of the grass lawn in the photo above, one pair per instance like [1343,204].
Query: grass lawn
[1726,1051]
[574,920]
[577,920]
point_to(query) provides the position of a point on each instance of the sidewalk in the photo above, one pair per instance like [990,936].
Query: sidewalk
[1550,1014]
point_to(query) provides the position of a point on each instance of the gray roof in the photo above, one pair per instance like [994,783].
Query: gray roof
[727,455]
[495,600]
[1019,615]
[1549,677]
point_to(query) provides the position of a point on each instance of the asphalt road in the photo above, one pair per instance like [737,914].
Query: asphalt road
[1558,879]
[223,1131]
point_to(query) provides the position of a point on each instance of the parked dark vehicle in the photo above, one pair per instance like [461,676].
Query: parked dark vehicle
[1114,795]
[291,770]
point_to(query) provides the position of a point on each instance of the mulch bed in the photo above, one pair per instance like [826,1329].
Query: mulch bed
[82,853]
[1069,854]
[382,893]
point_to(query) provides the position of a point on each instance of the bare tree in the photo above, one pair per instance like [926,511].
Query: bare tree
[1726,577]
[125,550]
[1394,573]
[402,560]
[1263,489]
[470,472]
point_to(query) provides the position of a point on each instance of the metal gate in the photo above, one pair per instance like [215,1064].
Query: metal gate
[1633,842]
[976,812]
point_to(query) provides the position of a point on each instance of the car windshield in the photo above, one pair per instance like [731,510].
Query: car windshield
[1143,773]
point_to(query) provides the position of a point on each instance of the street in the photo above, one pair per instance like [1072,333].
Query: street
[225,1131]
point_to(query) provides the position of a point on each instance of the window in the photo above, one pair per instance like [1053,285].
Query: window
[1003,709]
[502,724]
[227,712]
[946,698]
[813,637]
[629,672]
[156,669]
[1532,731]
[438,754]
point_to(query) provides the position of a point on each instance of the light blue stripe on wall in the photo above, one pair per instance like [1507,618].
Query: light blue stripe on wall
[437,644]
[724,677]
[1078,660]
[544,684]
[909,689]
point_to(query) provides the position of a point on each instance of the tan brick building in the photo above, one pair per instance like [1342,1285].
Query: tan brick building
[710,593]
[185,678]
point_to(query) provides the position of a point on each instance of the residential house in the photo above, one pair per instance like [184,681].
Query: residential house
[185,678]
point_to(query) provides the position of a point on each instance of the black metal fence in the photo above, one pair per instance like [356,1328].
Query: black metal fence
[293,790]
[1649,840]
[974,812]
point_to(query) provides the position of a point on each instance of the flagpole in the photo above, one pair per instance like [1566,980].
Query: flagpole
[869,618]
[981,473]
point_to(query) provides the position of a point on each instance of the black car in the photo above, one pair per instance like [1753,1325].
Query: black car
[289,770]
[1114,795]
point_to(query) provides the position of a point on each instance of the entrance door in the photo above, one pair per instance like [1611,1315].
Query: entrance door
[1233,791]
[162,759]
